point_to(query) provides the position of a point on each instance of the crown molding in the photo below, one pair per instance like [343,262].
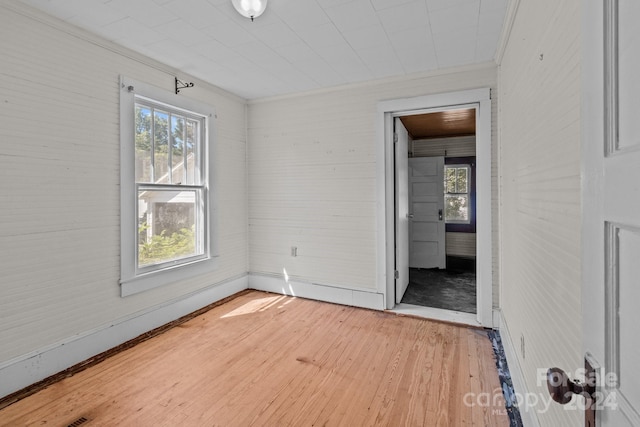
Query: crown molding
[35,14]
[484,66]
[509,20]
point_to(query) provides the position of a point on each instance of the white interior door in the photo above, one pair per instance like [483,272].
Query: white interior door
[611,206]
[402,208]
[426,209]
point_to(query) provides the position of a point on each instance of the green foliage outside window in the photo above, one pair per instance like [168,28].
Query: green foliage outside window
[456,188]
[162,247]
[172,131]
[163,143]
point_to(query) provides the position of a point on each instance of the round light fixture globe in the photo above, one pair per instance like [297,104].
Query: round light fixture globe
[250,8]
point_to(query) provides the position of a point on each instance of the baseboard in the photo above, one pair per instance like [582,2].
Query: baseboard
[528,415]
[28,369]
[319,292]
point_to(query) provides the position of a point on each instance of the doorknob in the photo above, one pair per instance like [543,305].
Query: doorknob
[440,214]
[409,215]
[561,389]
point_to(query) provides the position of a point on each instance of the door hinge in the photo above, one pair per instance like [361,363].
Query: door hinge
[395,138]
[396,274]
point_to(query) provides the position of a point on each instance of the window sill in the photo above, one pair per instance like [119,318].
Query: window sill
[460,228]
[154,279]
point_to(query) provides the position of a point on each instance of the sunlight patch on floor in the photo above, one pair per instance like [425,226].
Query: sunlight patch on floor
[256,305]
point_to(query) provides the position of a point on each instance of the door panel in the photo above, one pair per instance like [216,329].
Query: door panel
[425,249]
[427,229]
[426,200]
[423,187]
[402,209]
[611,206]
[623,270]
[628,82]
[429,210]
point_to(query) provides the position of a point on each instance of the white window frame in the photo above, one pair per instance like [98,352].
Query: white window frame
[468,193]
[132,279]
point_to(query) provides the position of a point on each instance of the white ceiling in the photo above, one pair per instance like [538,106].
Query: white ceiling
[296,45]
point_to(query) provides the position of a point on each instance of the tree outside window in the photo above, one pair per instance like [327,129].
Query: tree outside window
[456,194]
[168,215]
[169,181]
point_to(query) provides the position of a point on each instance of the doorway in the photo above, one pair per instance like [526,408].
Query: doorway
[442,210]
[393,266]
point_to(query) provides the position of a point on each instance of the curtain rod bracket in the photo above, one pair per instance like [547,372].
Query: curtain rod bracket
[182,85]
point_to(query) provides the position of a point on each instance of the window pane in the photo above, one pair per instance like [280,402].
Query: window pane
[450,180]
[461,180]
[143,144]
[456,207]
[161,147]
[193,135]
[167,226]
[178,130]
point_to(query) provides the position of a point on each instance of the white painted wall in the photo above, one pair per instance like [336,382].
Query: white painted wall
[312,177]
[457,146]
[539,83]
[59,198]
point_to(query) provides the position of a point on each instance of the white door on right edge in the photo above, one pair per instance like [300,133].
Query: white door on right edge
[611,205]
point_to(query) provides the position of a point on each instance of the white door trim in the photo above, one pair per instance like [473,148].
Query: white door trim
[480,98]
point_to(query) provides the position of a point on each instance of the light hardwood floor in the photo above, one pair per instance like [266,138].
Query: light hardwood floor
[269,360]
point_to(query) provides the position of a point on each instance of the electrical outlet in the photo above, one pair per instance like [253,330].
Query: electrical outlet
[294,251]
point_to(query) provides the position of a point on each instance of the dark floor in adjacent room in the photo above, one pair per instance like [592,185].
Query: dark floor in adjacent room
[453,288]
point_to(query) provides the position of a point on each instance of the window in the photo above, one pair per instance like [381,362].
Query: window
[167,206]
[169,184]
[457,186]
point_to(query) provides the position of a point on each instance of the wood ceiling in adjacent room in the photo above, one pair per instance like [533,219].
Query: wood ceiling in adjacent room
[443,124]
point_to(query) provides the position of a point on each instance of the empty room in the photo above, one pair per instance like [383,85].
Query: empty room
[217,212]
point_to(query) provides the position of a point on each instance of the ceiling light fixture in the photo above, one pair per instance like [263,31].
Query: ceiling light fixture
[250,8]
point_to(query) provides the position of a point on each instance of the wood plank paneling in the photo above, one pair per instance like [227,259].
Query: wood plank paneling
[59,164]
[461,244]
[265,359]
[312,167]
[464,146]
[443,124]
[539,83]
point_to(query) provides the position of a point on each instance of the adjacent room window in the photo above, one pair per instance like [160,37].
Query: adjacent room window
[457,186]
[167,208]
